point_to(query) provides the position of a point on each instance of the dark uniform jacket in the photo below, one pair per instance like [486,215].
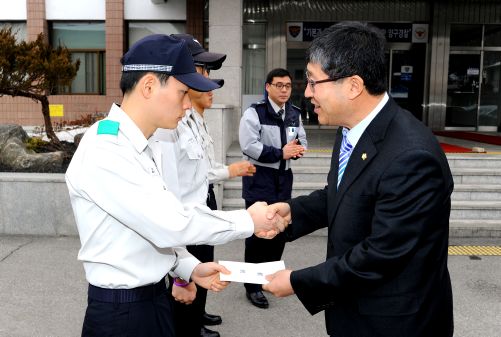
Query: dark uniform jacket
[262,135]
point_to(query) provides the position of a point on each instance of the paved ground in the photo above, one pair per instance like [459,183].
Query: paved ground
[43,289]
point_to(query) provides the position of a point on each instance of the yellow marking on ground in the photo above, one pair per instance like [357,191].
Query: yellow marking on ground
[475,250]
[319,150]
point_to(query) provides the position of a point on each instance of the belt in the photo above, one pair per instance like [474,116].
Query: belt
[127,295]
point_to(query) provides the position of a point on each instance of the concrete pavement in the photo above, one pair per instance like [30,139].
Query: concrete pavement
[43,291]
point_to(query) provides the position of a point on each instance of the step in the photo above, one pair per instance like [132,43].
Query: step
[477,176]
[476,192]
[474,160]
[475,228]
[230,204]
[313,158]
[460,210]
[460,229]
[233,189]
[475,210]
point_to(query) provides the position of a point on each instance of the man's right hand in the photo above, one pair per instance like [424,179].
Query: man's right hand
[292,150]
[267,222]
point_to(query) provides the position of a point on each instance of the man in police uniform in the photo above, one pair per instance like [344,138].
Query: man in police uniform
[271,133]
[128,221]
[197,172]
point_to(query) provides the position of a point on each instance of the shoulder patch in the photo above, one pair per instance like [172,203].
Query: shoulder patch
[108,127]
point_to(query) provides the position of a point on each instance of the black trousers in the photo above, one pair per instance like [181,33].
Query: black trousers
[188,318]
[259,250]
[144,317]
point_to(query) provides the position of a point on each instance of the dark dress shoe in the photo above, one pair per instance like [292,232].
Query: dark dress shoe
[258,299]
[204,332]
[208,319]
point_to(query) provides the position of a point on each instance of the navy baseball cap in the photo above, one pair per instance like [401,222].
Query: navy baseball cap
[161,53]
[218,81]
[213,61]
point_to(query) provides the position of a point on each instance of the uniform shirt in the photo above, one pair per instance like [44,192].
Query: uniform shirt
[193,149]
[217,171]
[190,158]
[128,220]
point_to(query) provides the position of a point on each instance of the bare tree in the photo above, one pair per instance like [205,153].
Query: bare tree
[34,70]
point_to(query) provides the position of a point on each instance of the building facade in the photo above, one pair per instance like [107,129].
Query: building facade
[97,32]
[443,57]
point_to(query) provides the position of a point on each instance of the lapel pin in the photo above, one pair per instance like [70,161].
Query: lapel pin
[364,156]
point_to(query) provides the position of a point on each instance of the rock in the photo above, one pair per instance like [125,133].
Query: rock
[14,156]
[78,138]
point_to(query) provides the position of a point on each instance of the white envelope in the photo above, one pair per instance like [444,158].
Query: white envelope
[250,272]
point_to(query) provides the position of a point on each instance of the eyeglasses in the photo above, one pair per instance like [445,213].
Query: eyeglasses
[280,85]
[205,68]
[313,83]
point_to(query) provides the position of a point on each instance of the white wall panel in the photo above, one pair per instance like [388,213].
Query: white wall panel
[12,10]
[75,9]
[147,10]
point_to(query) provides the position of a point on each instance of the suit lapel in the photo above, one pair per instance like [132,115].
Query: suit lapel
[363,154]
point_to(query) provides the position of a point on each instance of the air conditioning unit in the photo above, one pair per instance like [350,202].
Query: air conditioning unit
[159,1]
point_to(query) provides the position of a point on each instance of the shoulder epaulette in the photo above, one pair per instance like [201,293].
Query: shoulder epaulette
[108,127]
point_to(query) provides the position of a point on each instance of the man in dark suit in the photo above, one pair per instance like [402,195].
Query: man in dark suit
[386,204]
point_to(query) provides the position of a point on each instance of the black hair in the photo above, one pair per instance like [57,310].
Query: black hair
[277,72]
[129,79]
[352,48]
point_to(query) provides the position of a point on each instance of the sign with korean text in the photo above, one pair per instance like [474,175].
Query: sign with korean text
[393,32]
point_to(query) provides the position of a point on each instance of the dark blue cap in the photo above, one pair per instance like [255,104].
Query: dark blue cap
[163,54]
[213,61]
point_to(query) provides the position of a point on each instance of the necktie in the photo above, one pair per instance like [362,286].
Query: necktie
[280,113]
[344,156]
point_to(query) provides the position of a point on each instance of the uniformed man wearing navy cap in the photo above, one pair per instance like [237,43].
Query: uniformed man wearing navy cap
[129,223]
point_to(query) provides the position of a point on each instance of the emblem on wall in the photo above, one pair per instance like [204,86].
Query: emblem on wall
[294,31]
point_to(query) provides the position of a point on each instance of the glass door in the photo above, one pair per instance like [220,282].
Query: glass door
[406,69]
[489,116]
[463,90]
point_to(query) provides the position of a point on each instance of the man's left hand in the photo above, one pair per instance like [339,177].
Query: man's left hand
[279,283]
[206,275]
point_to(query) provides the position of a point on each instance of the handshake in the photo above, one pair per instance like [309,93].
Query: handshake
[269,220]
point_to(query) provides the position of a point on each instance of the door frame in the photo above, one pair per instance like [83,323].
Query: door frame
[464,52]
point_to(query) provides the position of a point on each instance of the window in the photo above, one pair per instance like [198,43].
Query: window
[18,27]
[86,42]
[492,36]
[254,58]
[139,29]
[466,35]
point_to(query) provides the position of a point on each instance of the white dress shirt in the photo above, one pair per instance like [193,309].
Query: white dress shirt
[217,171]
[128,220]
[356,132]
